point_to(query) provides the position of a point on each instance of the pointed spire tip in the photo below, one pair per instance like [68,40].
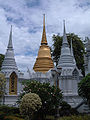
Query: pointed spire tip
[64,26]
[44,40]
[10,39]
[11,27]
[63,21]
[43,19]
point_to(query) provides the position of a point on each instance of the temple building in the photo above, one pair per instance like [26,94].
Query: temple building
[13,76]
[67,80]
[70,74]
[44,61]
[87,58]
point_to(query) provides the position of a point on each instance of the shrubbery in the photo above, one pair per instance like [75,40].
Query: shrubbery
[9,110]
[9,113]
[30,103]
[12,118]
[67,110]
[84,88]
[2,84]
[51,96]
[86,117]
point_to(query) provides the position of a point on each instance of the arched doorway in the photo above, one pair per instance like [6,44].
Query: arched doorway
[13,84]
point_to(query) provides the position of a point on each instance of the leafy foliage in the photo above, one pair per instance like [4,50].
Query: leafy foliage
[12,118]
[1,60]
[9,110]
[67,110]
[84,88]
[78,49]
[30,103]
[51,96]
[2,84]
[85,117]
[9,113]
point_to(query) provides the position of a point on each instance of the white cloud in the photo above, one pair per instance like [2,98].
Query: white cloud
[25,62]
[26,18]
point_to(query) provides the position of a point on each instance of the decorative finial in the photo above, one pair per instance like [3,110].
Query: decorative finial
[64,33]
[44,39]
[64,22]
[11,29]
[64,26]
[43,19]
[10,39]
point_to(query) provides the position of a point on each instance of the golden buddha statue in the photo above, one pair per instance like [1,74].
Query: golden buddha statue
[44,61]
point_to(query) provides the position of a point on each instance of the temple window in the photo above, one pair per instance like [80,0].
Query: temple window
[75,74]
[13,84]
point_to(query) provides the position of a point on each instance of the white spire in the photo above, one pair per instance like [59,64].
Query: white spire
[9,64]
[64,34]
[65,57]
[10,40]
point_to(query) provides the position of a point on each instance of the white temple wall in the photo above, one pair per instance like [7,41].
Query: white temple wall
[7,86]
[74,87]
[69,84]
[19,86]
[66,84]
[10,99]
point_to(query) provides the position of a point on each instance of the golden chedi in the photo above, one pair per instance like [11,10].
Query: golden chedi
[44,61]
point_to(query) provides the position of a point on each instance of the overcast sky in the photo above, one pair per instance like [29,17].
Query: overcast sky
[26,17]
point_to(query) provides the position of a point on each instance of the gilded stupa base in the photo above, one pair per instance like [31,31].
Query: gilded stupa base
[43,65]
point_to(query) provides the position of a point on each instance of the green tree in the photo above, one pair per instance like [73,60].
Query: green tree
[51,96]
[1,60]
[84,88]
[2,84]
[78,49]
[30,103]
